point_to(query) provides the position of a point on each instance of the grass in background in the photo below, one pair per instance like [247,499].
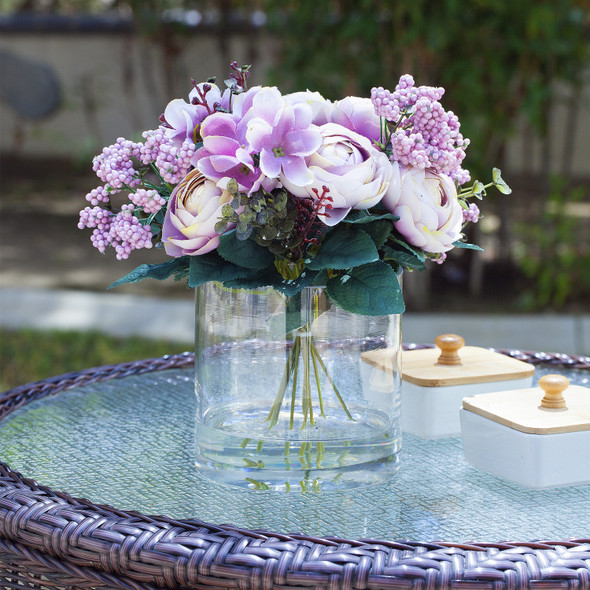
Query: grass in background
[29,355]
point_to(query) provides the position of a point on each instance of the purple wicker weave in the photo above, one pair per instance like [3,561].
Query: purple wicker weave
[49,539]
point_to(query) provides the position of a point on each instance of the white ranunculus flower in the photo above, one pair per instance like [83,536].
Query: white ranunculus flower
[193,210]
[356,174]
[358,114]
[321,107]
[430,216]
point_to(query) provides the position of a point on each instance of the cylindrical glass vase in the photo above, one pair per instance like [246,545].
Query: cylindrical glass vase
[294,393]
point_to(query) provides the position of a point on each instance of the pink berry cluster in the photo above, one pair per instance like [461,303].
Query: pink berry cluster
[426,136]
[98,195]
[471,214]
[100,220]
[148,200]
[148,152]
[114,165]
[128,234]
[441,258]
[390,105]
[122,231]
[174,162]
[171,158]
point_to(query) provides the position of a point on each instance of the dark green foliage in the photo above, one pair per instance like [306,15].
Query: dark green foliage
[211,267]
[268,217]
[243,252]
[401,257]
[371,289]
[467,246]
[176,266]
[344,248]
[556,252]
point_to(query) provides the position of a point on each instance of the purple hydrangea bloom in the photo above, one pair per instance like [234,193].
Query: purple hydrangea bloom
[223,153]
[283,135]
[182,119]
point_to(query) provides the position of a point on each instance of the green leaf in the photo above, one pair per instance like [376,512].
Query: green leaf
[479,189]
[466,246]
[283,323]
[245,253]
[257,280]
[292,287]
[404,258]
[155,271]
[419,254]
[499,182]
[363,216]
[321,279]
[292,317]
[220,227]
[232,187]
[371,289]
[379,231]
[211,267]
[344,248]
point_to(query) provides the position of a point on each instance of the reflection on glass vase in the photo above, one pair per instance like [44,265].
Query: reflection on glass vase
[293,393]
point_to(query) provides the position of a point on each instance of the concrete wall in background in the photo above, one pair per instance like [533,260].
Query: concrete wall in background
[111,85]
[115,84]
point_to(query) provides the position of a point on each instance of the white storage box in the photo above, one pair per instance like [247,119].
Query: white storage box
[435,381]
[537,437]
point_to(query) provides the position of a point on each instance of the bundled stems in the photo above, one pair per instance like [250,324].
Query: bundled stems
[303,345]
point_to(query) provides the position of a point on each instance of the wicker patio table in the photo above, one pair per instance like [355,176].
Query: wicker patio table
[122,436]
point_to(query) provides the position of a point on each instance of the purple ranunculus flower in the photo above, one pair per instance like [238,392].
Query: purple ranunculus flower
[356,174]
[430,216]
[193,210]
[283,136]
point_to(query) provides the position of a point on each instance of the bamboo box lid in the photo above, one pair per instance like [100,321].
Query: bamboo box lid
[551,408]
[452,364]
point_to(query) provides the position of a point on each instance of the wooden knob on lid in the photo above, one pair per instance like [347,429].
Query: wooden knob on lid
[449,344]
[553,386]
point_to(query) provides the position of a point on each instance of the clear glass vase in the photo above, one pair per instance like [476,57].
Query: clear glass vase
[293,393]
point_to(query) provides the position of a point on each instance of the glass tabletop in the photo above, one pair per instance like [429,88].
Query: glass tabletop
[128,442]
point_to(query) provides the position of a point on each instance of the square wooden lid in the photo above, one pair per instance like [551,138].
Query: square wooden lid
[525,409]
[454,364]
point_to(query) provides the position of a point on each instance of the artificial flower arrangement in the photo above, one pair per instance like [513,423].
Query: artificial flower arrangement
[253,188]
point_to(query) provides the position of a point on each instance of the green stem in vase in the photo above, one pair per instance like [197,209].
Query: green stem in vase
[320,454]
[303,345]
[273,415]
[306,404]
[317,382]
[315,351]
[294,388]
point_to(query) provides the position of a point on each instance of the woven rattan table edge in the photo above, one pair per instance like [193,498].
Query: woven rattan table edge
[48,533]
